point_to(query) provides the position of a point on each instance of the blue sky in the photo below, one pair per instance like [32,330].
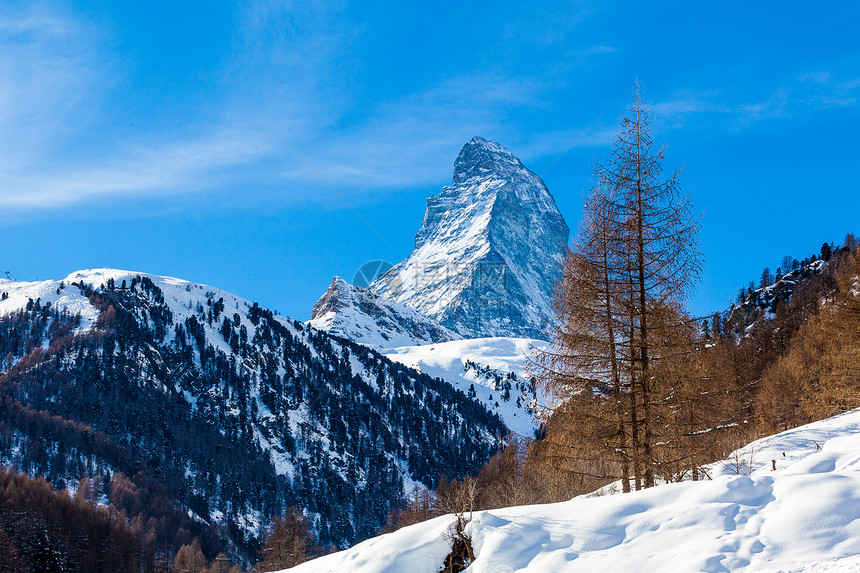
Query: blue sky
[133,138]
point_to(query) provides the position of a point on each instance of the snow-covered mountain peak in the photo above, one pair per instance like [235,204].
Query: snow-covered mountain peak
[99,277]
[184,299]
[356,313]
[489,250]
[337,297]
[481,157]
[181,296]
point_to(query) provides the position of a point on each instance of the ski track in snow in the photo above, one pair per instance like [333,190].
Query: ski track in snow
[802,518]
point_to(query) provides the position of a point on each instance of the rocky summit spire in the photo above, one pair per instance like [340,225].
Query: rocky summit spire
[489,251]
[481,157]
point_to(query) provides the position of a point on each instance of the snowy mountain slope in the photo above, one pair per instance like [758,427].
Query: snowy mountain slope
[238,411]
[803,517]
[490,370]
[357,314]
[16,295]
[489,251]
[761,304]
[493,370]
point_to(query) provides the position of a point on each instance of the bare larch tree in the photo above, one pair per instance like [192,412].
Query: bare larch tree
[634,261]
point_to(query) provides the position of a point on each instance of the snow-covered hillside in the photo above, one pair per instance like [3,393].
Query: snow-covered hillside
[761,304]
[493,370]
[804,516]
[489,251]
[241,411]
[182,297]
[17,294]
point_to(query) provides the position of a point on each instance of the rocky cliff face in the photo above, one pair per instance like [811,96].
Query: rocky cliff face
[357,314]
[489,251]
[760,305]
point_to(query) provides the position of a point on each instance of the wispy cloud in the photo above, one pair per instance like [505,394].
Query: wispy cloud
[293,63]
[593,50]
[56,82]
[58,79]
[49,74]
[296,65]
[804,94]
[410,140]
[187,167]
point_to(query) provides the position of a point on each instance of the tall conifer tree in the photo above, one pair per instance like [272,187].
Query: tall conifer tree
[633,263]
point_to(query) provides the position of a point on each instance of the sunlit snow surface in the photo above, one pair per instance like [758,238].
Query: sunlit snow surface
[801,518]
[447,360]
[69,299]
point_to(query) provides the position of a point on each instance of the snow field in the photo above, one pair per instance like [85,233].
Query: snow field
[447,360]
[802,517]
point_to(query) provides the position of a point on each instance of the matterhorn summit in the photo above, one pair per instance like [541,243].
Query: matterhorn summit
[489,251]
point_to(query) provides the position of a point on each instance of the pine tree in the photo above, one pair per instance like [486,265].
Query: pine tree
[766,278]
